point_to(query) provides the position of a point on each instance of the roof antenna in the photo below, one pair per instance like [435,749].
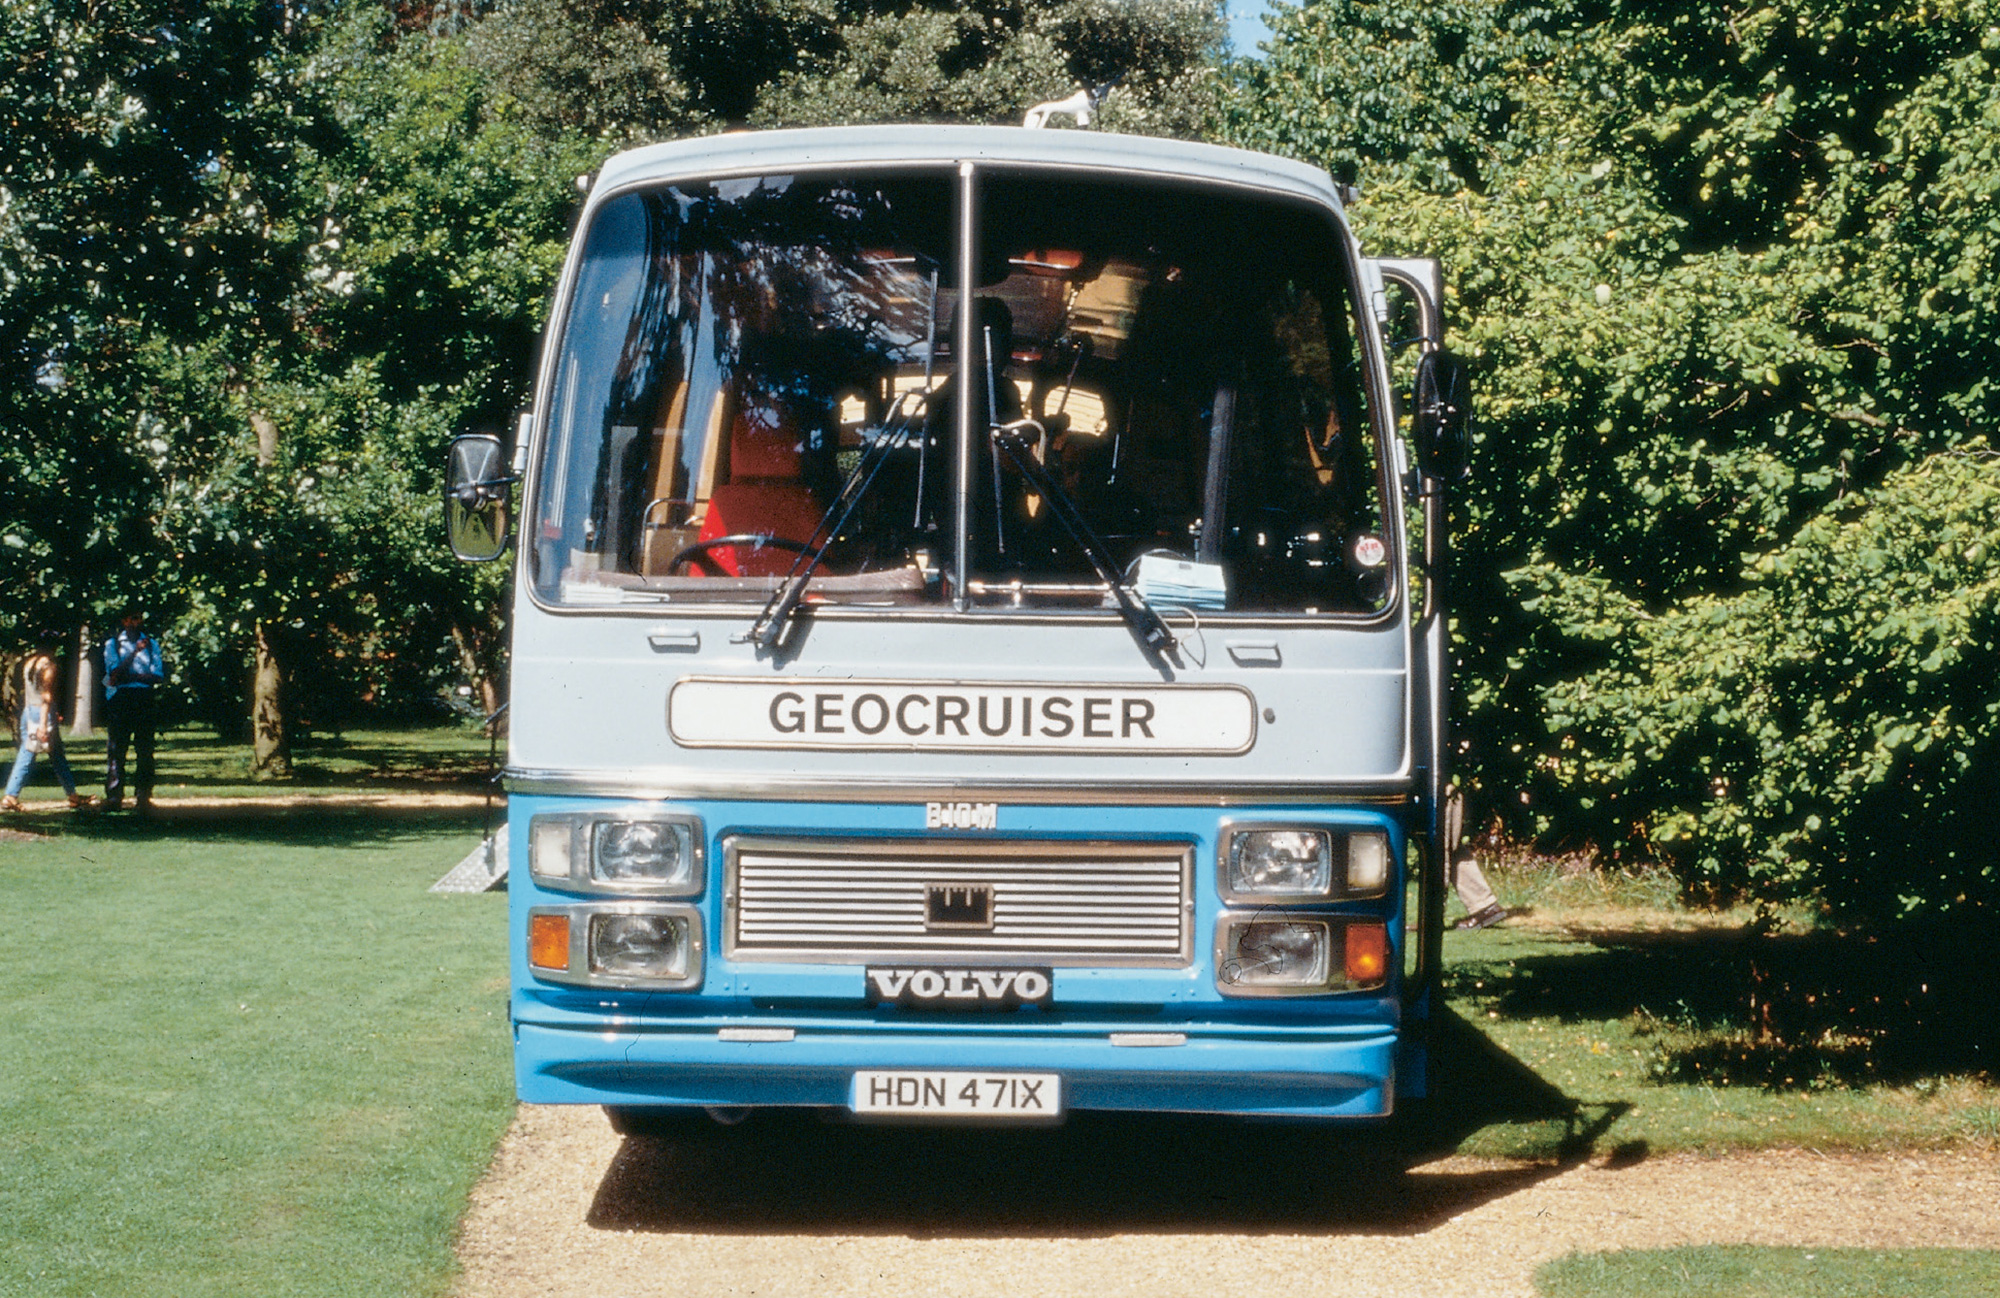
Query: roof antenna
[1082,105]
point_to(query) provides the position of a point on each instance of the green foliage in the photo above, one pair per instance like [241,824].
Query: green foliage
[1723,272]
[132,210]
[591,69]
[450,208]
[628,70]
[1429,92]
[262,266]
[991,62]
[258,263]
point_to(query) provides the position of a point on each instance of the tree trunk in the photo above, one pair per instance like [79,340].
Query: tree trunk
[270,738]
[89,691]
[267,439]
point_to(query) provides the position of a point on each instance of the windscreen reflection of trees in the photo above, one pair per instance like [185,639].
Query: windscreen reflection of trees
[1133,314]
[1179,302]
[771,300]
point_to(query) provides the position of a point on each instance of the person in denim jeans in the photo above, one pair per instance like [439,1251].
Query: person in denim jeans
[133,672]
[41,725]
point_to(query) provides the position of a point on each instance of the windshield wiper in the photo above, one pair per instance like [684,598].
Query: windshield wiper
[1147,628]
[769,628]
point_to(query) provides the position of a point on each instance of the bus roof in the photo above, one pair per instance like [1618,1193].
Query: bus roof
[768,152]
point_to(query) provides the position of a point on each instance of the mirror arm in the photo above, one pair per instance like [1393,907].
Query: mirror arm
[471,493]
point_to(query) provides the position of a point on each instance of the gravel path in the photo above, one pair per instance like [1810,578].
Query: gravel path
[1137,1206]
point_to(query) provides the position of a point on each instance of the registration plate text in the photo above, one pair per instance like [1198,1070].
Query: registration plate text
[984,1095]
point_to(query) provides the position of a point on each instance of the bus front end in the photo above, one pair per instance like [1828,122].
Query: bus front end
[965,659]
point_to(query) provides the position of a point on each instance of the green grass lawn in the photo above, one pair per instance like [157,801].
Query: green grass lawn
[192,762]
[1746,1272]
[1610,1022]
[1662,1029]
[248,1055]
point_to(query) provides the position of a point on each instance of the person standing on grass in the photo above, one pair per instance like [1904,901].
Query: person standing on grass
[133,672]
[1482,907]
[41,724]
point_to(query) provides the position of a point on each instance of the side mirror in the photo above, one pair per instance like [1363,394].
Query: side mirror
[477,492]
[1441,417]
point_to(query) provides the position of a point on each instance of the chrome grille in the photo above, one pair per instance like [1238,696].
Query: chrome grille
[850,902]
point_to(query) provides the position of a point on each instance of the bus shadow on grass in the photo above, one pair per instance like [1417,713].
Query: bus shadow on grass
[1103,1174]
[298,824]
[1778,1011]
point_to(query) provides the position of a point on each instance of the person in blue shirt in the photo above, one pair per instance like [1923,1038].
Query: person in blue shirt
[133,672]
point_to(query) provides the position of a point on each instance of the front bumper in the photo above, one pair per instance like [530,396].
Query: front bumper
[1315,1073]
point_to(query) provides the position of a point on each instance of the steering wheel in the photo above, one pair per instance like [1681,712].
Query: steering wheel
[698,552]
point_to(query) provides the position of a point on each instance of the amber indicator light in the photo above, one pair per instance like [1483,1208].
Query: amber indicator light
[548,942]
[1367,954]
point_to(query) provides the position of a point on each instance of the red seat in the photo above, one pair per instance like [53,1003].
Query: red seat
[763,497]
[784,510]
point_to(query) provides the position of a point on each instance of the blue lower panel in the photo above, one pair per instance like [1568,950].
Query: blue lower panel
[1345,1077]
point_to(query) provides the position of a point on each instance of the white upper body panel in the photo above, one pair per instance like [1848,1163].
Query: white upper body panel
[660,695]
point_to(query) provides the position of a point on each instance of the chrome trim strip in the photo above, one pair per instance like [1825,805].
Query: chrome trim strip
[966,947]
[1392,793]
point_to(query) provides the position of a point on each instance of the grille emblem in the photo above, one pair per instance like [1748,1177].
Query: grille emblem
[958,905]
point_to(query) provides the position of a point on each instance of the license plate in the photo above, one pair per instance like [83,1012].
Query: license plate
[959,1095]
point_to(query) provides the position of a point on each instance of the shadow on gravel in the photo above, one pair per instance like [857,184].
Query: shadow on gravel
[1100,1174]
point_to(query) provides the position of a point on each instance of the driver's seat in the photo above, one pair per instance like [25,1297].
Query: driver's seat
[763,497]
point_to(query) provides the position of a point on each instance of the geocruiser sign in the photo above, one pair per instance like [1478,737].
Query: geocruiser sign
[961,716]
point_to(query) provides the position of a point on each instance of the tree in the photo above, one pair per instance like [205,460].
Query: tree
[678,68]
[146,230]
[256,264]
[1723,271]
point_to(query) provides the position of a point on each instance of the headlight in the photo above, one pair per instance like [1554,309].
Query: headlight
[639,946]
[1290,953]
[653,855]
[1304,864]
[617,944]
[1281,862]
[641,851]
[1293,955]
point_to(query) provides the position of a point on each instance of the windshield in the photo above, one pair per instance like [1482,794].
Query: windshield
[1178,362]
